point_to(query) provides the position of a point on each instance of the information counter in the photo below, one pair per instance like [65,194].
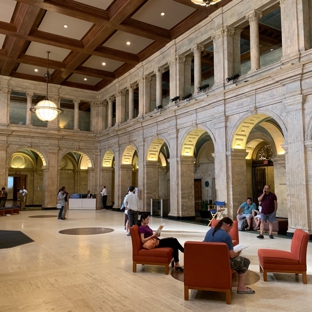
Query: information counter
[82,203]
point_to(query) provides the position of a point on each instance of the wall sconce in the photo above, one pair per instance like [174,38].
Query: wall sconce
[175,99]
[203,87]
[234,78]
[187,97]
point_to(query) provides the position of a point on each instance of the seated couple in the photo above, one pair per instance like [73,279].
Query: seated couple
[247,210]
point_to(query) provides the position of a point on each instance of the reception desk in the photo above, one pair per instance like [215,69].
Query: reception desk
[82,203]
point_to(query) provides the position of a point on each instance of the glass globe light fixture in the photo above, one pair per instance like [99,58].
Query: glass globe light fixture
[46,110]
[205,2]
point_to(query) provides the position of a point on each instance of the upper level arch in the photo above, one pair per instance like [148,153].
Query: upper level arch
[128,154]
[108,159]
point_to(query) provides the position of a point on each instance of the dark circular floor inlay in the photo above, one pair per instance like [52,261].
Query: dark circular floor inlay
[251,277]
[86,231]
[43,216]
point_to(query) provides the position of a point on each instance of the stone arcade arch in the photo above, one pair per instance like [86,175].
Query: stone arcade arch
[196,144]
[246,172]
[26,168]
[157,178]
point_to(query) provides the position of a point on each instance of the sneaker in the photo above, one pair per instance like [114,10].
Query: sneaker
[260,236]
[128,234]
[271,236]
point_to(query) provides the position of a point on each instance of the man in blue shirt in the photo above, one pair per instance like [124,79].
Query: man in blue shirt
[244,211]
[220,234]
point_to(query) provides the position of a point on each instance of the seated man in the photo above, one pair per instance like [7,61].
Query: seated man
[257,216]
[245,211]
[220,234]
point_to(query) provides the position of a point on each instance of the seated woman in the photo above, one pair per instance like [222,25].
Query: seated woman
[257,216]
[146,233]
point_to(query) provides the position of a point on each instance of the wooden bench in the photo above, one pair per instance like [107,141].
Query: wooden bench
[5,211]
[280,226]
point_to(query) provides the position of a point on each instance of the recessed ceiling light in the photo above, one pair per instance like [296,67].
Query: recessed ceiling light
[162,13]
[103,63]
[36,70]
[272,49]
[85,79]
[65,26]
[128,42]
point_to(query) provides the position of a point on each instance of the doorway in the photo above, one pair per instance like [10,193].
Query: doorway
[197,194]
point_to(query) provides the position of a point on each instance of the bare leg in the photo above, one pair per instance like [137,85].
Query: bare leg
[241,282]
[270,228]
[249,223]
[262,228]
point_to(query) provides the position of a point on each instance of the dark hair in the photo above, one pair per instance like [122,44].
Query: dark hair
[3,189]
[249,198]
[144,215]
[225,220]
[131,188]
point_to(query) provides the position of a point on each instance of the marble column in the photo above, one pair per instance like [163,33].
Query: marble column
[76,114]
[188,74]
[197,66]
[107,180]
[158,73]
[5,105]
[180,60]
[104,115]
[280,188]
[29,105]
[237,51]
[141,83]
[228,41]
[120,107]
[131,101]
[125,178]
[147,94]
[117,189]
[253,18]
[110,112]
[186,192]
[218,59]
[151,189]
[4,160]
[296,161]
[308,147]
[237,179]
[54,123]
[173,78]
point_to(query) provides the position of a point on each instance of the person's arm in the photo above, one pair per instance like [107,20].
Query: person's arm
[143,239]
[275,205]
[234,254]
[239,210]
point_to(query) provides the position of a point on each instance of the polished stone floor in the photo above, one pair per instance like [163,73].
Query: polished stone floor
[94,272]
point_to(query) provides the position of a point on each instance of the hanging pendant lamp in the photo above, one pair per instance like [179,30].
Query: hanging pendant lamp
[46,110]
[205,2]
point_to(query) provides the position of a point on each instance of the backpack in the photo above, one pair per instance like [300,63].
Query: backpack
[242,224]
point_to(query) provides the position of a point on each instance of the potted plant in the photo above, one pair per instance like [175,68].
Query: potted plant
[204,212]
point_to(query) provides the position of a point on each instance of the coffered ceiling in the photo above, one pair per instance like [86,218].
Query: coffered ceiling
[92,42]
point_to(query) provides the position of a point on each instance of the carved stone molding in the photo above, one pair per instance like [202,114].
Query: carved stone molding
[5,91]
[253,16]
[197,48]
[158,71]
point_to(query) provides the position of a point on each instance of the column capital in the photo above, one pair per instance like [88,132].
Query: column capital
[158,71]
[96,104]
[180,58]
[121,92]
[111,99]
[228,31]
[253,16]
[5,91]
[29,94]
[76,101]
[282,2]
[197,48]
[172,62]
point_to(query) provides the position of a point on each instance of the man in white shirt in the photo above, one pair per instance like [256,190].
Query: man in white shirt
[104,196]
[23,194]
[132,205]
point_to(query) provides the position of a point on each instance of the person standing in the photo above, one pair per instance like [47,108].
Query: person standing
[220,234]
[66,203]
[268,211]
[61,201]
[23,195]
[248,206]
[132,205]
[4,197]
[104,196]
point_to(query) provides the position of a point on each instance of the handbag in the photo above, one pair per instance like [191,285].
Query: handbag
[151,243]
[59,206]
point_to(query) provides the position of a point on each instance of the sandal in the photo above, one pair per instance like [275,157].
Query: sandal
[178,268]
[248,291]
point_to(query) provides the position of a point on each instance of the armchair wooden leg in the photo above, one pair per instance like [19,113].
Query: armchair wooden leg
[265,276]
[260,268]
[304,278]
[228,296]
[186,293]
[134,267]
[167,269]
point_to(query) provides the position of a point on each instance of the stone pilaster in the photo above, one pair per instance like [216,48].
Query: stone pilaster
[158,73]
[141,96]
[96,118]
[296,161]
[186,192]
[173,78]
[104,115]
[237,51]
[3,168]
[76,114]
[125,178]
[280,188]
[218,58]
[117,188]
[237,179]
[188,74]
[4,106]
[131,101]
[120,106]
[151,187]
[29,105]
[308,147]
[147,94]
[180,76]
[253,18]
[197,66]
[110,112]
[107,180]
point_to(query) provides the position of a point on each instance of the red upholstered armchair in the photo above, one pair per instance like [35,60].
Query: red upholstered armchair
[295,261]
[233,233]
[207,267]
[156,256]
